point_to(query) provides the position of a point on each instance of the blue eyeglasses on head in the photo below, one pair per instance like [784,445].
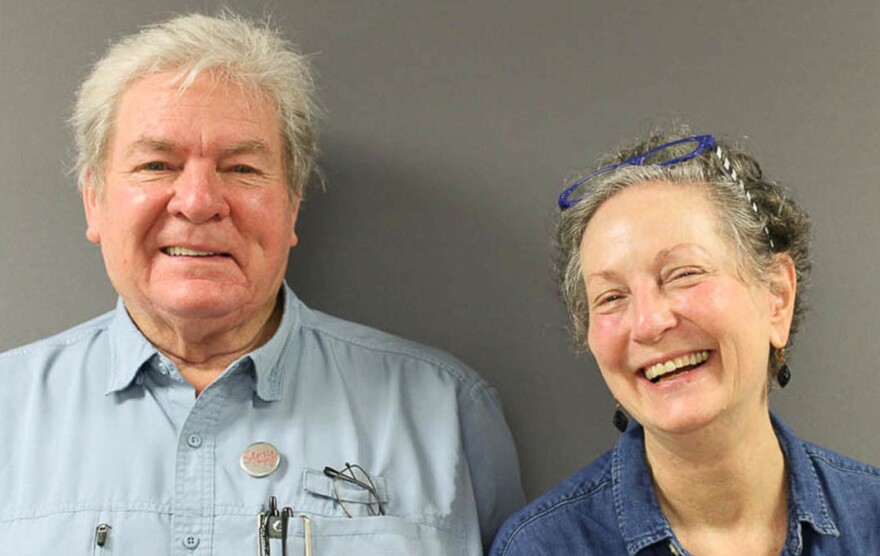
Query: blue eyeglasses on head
[666,154]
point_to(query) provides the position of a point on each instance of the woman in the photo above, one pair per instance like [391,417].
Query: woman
[680,265]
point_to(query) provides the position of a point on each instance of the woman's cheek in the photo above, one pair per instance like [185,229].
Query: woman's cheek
[698,299]
[607,337]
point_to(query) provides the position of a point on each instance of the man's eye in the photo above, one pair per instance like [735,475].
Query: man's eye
[243,169]
[154,166]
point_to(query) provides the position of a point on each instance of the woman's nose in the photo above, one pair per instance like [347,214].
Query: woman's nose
[652,315]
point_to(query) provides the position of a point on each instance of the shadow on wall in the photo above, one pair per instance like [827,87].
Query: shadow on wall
[431,254]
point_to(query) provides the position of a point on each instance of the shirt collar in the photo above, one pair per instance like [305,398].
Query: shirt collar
[640,518]
[642,522]
[269,359]
[807,498]
[130,350]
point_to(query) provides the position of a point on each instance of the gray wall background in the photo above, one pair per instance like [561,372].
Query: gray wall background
[450,127]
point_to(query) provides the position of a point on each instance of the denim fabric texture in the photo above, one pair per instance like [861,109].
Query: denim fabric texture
[609,507]
[99,428]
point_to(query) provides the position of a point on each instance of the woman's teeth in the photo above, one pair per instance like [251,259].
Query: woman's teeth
[656,371]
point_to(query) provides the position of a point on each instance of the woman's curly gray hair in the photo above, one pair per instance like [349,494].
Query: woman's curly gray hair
[786,223]
[232,48]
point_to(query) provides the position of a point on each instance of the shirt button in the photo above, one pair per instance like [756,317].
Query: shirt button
[194,440]
[191,542]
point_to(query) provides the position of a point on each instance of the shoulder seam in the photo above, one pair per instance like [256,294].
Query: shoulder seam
[58,340]
[546,509]
[845,465]
[456,371]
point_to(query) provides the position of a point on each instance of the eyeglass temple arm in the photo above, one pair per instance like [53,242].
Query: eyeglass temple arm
[334,474]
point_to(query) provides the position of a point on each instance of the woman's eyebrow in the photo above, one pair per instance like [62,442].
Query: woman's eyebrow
[666,253]
[608,275]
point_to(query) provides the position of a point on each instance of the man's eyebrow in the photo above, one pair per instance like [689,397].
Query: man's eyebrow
[150,144]
[252,146]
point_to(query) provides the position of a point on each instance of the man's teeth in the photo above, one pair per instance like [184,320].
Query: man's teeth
[656,371]
[183,251]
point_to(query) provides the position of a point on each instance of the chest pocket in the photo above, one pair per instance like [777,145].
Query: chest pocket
[365,532]
[338,497]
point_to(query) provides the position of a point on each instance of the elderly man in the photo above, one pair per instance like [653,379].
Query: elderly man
[212,412]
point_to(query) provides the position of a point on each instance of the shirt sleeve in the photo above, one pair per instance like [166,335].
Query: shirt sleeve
[492,460]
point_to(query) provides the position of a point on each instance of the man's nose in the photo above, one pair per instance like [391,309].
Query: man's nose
[653,315]
[199,194]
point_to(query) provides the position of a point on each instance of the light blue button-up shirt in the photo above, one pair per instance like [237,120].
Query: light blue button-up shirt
[101,434]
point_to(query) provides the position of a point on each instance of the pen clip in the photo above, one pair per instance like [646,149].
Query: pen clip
[264,527]
[273,524]
[102,533]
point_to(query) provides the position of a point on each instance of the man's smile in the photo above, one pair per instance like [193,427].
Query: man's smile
[177,251]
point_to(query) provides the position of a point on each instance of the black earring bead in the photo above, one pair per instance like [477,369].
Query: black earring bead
[620,419]
[783,377]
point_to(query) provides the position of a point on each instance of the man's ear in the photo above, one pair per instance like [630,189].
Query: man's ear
[294,207]
[92,203]
[782,276]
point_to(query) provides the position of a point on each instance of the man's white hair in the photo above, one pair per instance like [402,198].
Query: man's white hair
[226,46]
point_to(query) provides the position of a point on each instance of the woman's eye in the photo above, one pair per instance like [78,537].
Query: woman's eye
[608,299]
[684,273]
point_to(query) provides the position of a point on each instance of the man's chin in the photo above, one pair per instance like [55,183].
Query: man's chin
[204,311]
[200,301]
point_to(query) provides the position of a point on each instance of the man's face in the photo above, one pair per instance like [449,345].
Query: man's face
[194,220]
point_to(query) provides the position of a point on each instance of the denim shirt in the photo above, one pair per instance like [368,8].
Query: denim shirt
[610,507]
[100,430]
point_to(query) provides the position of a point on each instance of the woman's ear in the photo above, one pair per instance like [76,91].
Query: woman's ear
[782,277]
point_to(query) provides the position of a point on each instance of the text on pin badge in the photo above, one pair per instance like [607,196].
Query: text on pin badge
[260,459]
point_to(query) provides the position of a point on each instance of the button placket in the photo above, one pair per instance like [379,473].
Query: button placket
[193,510]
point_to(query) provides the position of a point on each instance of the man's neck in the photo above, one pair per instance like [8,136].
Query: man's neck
[202,349]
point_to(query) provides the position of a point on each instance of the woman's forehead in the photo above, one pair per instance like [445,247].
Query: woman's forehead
[649,219]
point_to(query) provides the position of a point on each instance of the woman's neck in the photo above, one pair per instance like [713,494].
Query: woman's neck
[726,481]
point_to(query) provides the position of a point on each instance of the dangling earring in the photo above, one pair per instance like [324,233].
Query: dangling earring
[620,419]
[783,374]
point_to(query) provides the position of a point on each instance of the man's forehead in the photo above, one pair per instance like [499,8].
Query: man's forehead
[157,115]
[164,93]
[179,83]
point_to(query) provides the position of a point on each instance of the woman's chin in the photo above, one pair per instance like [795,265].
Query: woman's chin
[673,423]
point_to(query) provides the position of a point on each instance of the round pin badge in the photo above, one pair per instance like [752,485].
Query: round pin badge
[260,459]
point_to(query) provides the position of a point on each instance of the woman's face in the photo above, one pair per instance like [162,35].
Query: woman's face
[681,337]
